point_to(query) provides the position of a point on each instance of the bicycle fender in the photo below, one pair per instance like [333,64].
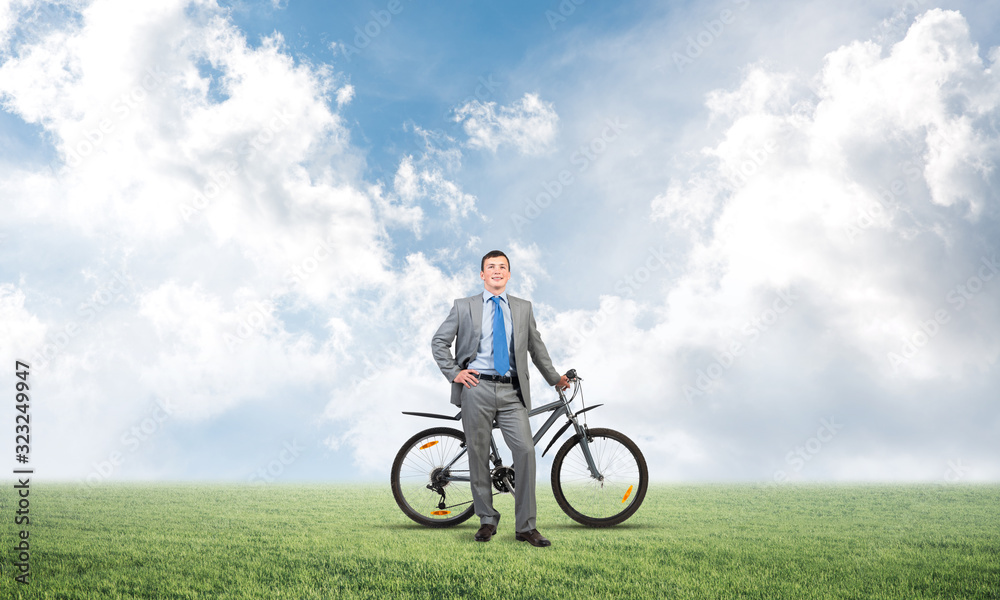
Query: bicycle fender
[568,423]
[556,436]
[434,416]
[589,408]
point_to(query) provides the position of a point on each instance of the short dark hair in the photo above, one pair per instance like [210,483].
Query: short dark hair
[493,254]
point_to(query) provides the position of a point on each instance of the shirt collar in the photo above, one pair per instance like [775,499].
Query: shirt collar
[487,295]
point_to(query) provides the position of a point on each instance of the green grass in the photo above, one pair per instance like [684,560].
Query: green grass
[338,541]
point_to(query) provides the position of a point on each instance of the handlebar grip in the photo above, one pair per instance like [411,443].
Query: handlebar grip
[571,374]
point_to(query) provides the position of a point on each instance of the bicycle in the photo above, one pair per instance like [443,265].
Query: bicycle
[599,476]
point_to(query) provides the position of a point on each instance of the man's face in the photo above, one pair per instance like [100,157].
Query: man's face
[495,275]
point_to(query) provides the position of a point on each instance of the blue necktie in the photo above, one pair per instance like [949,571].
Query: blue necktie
[501,357]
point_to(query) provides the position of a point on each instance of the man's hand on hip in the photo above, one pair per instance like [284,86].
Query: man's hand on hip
[467,377]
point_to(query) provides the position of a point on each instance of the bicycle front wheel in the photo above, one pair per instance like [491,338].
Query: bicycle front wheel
[619,492]
[422,478]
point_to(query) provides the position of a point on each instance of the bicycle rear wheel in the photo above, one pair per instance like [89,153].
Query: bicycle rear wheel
[421,478]
[614,498]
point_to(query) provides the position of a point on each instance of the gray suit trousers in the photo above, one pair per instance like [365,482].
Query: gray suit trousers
[480,405]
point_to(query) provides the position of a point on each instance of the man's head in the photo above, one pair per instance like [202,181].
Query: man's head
[495,272]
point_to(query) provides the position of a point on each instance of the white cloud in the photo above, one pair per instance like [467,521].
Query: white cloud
[831,221]
[345,95]
[831,230]
[427,181]
[800,193]
[526,268]
[395,369]
[529,124]
[218,175]
[209,357]
[424,184]
[19,329]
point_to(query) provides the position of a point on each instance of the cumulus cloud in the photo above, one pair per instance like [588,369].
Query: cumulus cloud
[203,198]
[415,182]
[529,124]
[841,252]
[528,259]
[204,238]
[882,161]
[427,180]
[17,325]
[394,370]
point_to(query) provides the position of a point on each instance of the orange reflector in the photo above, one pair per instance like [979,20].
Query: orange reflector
[428,445]
[628,493]
[438,513]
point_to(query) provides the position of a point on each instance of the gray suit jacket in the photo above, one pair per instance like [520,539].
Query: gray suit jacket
[464,323]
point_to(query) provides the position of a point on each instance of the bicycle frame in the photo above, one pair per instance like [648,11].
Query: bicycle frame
[559,408]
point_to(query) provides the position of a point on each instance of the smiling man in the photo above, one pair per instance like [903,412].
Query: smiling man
[493,334]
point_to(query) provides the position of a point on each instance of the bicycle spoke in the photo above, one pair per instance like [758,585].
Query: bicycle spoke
[422,475]
[613,497]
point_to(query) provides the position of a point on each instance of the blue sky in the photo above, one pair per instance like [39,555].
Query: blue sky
[764,231]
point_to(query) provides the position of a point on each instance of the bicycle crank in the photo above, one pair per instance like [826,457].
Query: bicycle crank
[503,479]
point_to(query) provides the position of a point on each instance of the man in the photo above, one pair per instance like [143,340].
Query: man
[489,374]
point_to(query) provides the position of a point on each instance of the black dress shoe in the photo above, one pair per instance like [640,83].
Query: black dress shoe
[485,532]
[533,537]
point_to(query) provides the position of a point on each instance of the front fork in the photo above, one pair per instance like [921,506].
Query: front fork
[583,435]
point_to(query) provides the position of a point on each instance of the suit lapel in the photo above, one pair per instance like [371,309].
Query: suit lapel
[476,304]
[515,318]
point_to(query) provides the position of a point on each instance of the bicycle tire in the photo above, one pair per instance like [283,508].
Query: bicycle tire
[413,472]
[600,503]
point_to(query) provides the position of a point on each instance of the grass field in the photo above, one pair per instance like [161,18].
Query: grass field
[339,541]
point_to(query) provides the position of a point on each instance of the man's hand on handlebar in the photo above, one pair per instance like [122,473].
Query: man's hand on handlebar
[563,383]
[467,377]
